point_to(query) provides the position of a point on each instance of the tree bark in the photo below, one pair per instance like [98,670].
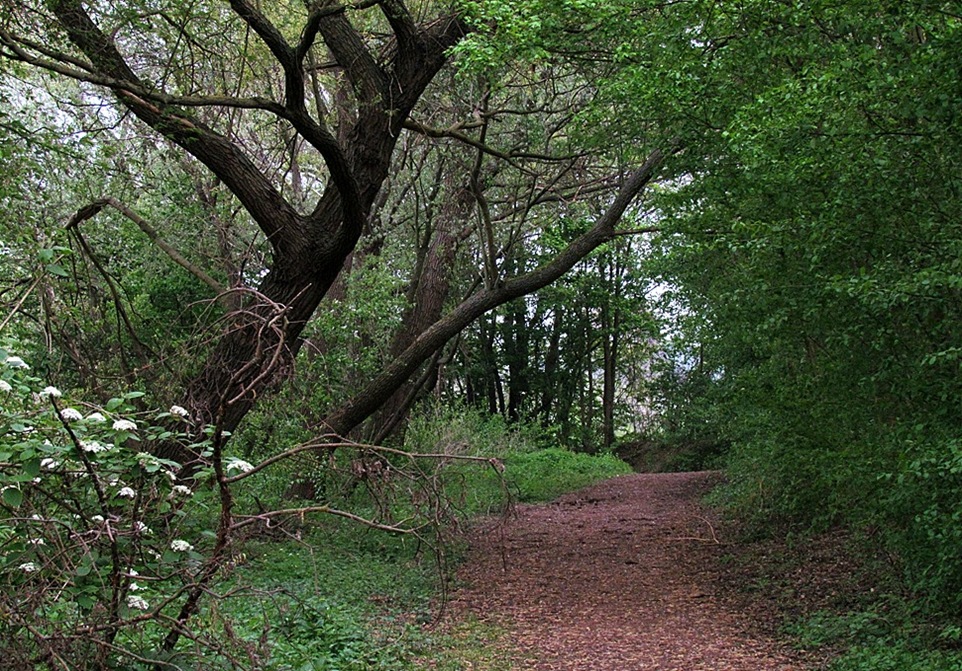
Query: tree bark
[429,292]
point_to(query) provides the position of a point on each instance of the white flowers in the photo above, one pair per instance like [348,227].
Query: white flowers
[50,392]
[141,528]
[71,415]
[93,446]
[183,490]
[124,425]
[126,493]
[181,546]
[96,418]
[235,464]
[29,567]
[48,464]
[146,459]
[17,362]
[137,602]
[97,518]
[5,386]
[178,410]
[36,541]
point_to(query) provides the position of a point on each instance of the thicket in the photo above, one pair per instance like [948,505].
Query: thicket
[812,267]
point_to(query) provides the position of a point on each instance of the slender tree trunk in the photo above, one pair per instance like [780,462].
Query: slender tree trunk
[490,379]
[610,354]
[549,393]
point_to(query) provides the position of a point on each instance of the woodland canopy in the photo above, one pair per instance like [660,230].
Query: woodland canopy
[727,232]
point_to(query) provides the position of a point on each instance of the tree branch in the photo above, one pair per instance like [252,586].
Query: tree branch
[366,76]
[268,33]
[94,208]
[276,217]
[315,132]
[311,28]
[74,68]
[403,26]
[345,418]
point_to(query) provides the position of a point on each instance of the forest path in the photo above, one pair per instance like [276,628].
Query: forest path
[622,576]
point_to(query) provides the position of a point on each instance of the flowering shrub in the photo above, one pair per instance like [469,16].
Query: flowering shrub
[91,522]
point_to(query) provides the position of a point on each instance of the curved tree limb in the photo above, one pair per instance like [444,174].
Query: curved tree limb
[345,418]
[276,217]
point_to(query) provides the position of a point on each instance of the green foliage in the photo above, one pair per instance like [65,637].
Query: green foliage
[812,256]
[885,656]
[92,525]
[546,474]
[332,601]
[885,638]
[522,467]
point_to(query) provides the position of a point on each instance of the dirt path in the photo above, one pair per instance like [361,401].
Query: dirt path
[622,576]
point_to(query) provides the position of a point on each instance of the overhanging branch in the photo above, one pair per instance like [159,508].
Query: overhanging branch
[342,420]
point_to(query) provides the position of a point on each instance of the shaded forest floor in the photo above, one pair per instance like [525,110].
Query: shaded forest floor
[636,574]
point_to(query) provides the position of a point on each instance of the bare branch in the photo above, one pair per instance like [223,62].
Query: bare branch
[94,208]
[247,520]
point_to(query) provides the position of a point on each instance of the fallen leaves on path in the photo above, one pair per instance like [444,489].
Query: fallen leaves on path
[622,576]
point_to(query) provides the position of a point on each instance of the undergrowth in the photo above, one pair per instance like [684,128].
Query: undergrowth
[887,634]
[329,595]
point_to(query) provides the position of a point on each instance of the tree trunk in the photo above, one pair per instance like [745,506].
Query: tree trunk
[549,393]
[428,294]
[610,354]
[516,351]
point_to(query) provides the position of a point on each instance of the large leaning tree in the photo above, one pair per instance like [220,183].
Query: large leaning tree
[343,83]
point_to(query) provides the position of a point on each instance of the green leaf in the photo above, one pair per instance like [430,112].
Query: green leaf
[12,497]
[32,468]
[57,269]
